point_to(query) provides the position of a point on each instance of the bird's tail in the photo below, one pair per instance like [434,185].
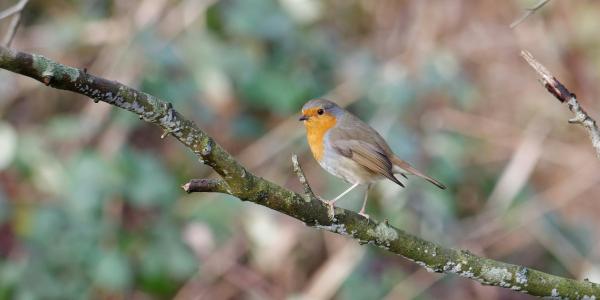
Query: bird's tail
[408,168]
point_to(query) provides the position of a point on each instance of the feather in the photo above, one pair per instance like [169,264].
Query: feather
[410,169]
[368,156]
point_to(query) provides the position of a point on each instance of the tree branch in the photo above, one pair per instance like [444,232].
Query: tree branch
[206,185]
[238,182]
[528,12]
[14,23]
[15,9]
[563,95]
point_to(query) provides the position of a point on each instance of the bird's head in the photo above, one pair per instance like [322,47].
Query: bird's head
[320,114]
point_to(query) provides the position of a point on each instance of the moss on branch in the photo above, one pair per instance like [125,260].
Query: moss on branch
[239,182]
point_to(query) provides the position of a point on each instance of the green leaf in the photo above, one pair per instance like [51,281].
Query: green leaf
[113,272]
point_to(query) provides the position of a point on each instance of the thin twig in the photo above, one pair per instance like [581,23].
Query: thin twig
[308,193]
[563,95]
[528,12]
[15,10]
[249,187]
[205,185]
[12,30]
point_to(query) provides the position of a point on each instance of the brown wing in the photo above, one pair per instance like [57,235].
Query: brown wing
[353,128]
[370,156]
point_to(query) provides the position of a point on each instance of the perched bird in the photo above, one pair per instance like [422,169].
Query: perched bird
[350,149]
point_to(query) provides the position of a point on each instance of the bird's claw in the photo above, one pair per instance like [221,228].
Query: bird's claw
[330,208]
[362,213]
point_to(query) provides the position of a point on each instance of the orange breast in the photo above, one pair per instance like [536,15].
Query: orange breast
[316,128]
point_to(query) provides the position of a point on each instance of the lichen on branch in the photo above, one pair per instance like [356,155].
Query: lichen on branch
[237,181]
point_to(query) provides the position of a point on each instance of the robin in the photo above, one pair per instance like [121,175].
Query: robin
[350,149]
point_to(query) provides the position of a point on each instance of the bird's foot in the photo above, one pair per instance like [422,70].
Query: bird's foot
[330,208]
[362,213]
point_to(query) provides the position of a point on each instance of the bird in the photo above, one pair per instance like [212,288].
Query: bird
[350,149]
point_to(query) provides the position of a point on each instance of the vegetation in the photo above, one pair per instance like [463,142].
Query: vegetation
[90,198]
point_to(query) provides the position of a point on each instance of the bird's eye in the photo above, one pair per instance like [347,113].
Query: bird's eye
[320,111]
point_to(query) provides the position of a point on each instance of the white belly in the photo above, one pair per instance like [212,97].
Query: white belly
[346,168]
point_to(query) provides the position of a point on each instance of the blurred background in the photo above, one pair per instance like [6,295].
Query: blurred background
[90,198]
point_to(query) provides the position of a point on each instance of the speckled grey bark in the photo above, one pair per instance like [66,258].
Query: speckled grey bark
[237,181]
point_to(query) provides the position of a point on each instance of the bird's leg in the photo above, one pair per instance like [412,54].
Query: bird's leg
[362,210]
[330,203]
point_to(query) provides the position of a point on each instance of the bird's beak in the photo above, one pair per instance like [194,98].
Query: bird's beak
[303,118]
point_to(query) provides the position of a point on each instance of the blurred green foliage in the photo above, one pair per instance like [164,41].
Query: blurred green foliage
[90,205]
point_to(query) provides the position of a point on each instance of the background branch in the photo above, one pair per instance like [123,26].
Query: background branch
[563,95]
[14,22]
[238,182]
[15,9]
[528,12]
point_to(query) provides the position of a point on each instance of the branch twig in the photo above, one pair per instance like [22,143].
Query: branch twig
[528,12]
[205,185]
[558,90]
[14,23]
[15,9]
[308,193]
[238,182]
